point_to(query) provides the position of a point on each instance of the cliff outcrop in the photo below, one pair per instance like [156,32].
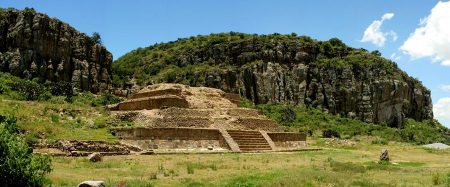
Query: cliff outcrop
[276,68]
[32,45]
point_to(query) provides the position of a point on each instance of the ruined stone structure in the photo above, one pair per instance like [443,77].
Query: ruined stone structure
[175,116]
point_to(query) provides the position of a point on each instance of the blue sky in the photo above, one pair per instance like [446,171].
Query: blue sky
[126,25]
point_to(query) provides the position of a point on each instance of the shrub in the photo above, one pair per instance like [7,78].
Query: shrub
[18,165]
[330,133]
[435,178]
[380,142]
[288,116]
[30,90]
[60,89]
[190,168]
[9,123]
[448,179]
[106,99]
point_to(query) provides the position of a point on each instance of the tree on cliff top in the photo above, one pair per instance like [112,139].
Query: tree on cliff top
[96,38]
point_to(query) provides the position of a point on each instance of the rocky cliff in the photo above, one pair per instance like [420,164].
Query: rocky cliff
[32,45]
[277,68]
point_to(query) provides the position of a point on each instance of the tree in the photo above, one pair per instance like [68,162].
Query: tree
[18,165]
[96,38]
[376,53]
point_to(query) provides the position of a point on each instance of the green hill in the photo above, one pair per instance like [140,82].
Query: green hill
[298,70]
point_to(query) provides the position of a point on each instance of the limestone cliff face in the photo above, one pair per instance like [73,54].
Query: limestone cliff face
[366,94]
[32,45]
[297,70]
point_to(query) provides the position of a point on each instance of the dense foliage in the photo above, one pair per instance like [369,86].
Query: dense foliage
[317,123]
[187,59]
[15,88]
[18,165]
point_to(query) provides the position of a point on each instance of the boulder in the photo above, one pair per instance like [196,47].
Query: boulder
[95,157]
[384,156]
[92,184]
[148,152]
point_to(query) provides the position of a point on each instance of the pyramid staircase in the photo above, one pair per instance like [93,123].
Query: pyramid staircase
[249,141]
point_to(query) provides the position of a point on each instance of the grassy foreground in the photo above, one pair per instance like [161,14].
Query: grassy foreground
[335,165]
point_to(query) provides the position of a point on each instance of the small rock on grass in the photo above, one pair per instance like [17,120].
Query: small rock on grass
[92,184]
[384,156]
[95,157]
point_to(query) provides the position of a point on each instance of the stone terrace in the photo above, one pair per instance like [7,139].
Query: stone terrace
[175,116]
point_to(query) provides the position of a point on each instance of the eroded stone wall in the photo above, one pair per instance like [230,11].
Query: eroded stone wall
[287,140]
[172,138]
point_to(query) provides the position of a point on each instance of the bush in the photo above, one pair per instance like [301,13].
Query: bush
[288,116]
[330,133]
[106,99]
[30,90]
[18,165]
[435,178]
[190,168]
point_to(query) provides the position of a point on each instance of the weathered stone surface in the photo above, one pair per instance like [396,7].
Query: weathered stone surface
[32,45]
[92,184]
[384,156]
[283,69]
[95,157]
[369,95]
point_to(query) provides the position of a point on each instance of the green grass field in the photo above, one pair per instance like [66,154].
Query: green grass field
[332,166]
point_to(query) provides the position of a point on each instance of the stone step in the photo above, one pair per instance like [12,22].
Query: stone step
[244,133]
[254,149]
[254,146]
[246,136]
[249,139]
[251,142]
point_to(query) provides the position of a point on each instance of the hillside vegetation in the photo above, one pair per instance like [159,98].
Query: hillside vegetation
[320,124]
[184,59]
[53,111]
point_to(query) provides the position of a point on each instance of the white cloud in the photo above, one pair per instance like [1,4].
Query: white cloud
[432,37]
[441,111]
[374,34]
[395,57]
[445,88]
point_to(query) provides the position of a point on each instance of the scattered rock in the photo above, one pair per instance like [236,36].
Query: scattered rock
[95,157]
[210,147]
[91,146]
[437,146]
[92,184]
[384,156]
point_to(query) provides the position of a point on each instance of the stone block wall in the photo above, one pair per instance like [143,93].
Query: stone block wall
[153,103]
[169,91]
[234,98]
[287,140]
[172,138]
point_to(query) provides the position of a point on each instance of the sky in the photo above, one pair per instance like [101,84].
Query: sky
[415,34]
